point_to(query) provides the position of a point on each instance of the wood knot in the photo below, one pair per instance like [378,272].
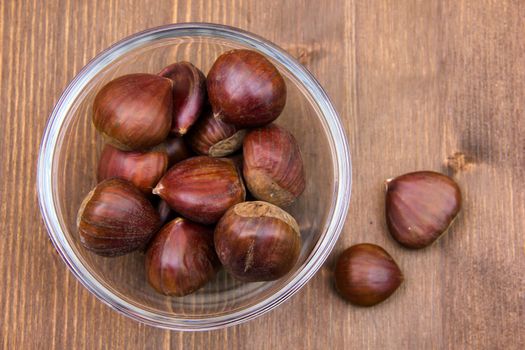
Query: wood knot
[306,54]
[459,162]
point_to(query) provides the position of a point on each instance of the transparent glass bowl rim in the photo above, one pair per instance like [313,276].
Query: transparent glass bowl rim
[48,201]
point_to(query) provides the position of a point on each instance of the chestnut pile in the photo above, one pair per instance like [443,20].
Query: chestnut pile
[184,151]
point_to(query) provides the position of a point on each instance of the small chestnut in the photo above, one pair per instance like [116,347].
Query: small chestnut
[143,169]
[189,93]
[181,258]
[365,274]
[202,188]
[245,89]
[213,137]
[257,241]
[116,218]
[420,207]
[273,167]
[177,150]
[134,111]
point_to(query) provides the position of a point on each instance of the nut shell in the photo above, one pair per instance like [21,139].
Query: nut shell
[202,188]
[420,207]
[181,258]
[143,169]
[213,137]
[257,241]
[189,94]
[116,218]
[245,89]
[365,274]
[273,167]
[134,111]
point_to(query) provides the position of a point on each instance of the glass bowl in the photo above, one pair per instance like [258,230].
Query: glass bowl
[67,171]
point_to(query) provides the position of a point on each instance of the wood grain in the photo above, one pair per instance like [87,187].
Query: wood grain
[436,85]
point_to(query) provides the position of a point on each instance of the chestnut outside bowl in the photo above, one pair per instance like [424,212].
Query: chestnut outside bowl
[67,171]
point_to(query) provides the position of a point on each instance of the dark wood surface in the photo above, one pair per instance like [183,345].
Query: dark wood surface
[436,85]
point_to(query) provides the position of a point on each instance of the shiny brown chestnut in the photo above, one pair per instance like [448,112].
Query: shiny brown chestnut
[273,167]
[365,274]
[202,188]
[213,137]
[245,89]
[177,150]
[420,207]
[143,169]
[134,111]
[257,241]
[116,218]
[181,258]
[189,94]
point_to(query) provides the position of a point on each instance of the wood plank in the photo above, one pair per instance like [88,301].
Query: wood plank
[418,84]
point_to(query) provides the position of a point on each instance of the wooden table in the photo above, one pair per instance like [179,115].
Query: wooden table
[434,85]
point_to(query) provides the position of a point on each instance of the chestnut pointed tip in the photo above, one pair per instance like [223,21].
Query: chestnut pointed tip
[387,182]
[158,189]
[178,219]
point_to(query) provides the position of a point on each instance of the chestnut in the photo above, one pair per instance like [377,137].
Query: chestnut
[213,137]
[143,169]
[245,89]
[273,167]
[420,207]
[365,274]
[181,258]
[257,241]
[202,188]
[134,111]
[116,218]
[189,93]
[177,150]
